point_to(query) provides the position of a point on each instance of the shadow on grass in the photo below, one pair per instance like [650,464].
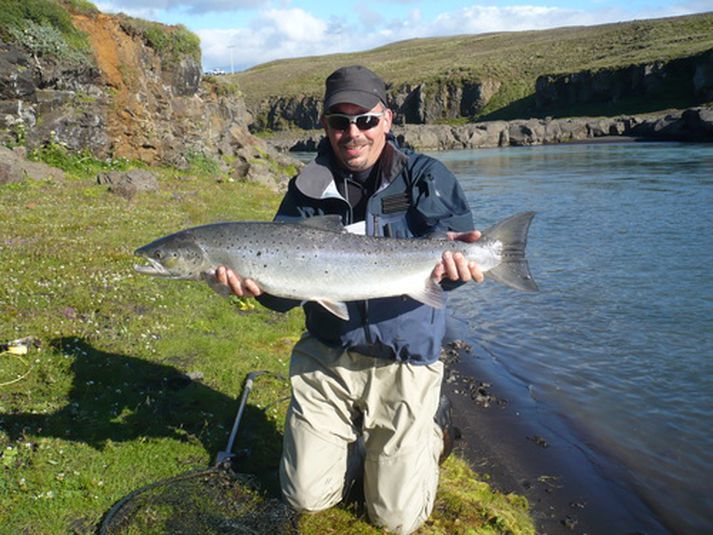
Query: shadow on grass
[120,398]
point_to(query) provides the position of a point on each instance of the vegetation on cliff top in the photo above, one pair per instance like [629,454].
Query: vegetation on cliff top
[171,42]
[45,28]
[515,59]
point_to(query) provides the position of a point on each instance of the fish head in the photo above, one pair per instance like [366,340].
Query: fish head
[178,256]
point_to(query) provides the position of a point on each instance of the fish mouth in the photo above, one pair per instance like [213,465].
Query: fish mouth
[155,268]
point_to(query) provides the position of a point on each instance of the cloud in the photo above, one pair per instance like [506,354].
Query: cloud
[274,34]
[293,25]
[138,7]
[279,30]
[481,19]
[285,33]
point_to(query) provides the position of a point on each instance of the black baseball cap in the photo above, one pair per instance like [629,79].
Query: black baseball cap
[354,85]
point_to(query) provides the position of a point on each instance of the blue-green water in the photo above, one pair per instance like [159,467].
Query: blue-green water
[619,341]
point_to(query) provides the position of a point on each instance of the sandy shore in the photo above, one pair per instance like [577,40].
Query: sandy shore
[526,448]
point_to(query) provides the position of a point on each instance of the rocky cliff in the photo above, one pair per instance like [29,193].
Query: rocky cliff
[680,82]
[427,102]
[129,102]
[688,79]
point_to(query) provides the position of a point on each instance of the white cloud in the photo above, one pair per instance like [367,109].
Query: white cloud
[294,25]
[481,19]
[281,30]
[135,7]
[284,33]
[274,34]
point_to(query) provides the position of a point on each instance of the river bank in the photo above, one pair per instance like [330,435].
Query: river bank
[521,446]
[690,125]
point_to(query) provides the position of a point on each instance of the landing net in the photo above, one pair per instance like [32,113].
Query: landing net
[216,500]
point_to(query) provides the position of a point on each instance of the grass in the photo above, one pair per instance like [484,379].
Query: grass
[44,27]
[171,42]
[102,406]
[515,59]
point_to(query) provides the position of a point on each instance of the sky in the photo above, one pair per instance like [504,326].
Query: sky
[238,34]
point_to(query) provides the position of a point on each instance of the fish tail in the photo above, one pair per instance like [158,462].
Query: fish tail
[513,270]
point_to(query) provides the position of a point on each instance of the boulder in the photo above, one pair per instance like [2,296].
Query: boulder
[15,168]
[127,184]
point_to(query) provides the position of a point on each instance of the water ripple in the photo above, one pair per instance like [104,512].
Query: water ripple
[620,339]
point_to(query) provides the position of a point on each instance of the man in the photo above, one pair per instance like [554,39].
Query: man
[375,379]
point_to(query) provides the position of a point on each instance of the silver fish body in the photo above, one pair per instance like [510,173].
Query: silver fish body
[316,260]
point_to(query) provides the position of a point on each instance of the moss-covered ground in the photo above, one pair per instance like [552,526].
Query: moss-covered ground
[130,379]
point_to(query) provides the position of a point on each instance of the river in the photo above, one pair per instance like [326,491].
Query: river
[619,341]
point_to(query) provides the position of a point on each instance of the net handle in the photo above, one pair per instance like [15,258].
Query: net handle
[228,452]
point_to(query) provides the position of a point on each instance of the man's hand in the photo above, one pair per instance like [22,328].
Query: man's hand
[454,265]
[237,285]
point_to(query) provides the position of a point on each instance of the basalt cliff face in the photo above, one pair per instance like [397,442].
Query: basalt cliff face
[687,80]
[129,104]
[422,103]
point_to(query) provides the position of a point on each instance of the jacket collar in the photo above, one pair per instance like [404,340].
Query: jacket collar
[316,180]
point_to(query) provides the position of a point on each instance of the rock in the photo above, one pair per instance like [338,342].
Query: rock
[427,137]
[703,77]
[128,183]
[485,135]
[698,123]
[424,103]
[184,77]
[693,76]
[694,124]
[132,104]
[282,113]
[521,133]
[540,441]
[16,74]
[15,168]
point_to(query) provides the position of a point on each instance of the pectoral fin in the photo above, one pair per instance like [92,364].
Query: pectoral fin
[431,294]
[337,308]
[220,289]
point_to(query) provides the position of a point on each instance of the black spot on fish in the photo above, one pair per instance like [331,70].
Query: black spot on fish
[259,253]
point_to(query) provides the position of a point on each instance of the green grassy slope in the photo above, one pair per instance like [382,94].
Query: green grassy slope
[513,58]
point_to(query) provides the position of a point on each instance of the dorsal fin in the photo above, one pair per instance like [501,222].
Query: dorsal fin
[332,223]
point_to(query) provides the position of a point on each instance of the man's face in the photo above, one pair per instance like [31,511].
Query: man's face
[356,149]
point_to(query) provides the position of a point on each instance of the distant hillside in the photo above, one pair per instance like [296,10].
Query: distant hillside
[495,75]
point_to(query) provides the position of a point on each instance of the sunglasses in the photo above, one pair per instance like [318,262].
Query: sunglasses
[363,121]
